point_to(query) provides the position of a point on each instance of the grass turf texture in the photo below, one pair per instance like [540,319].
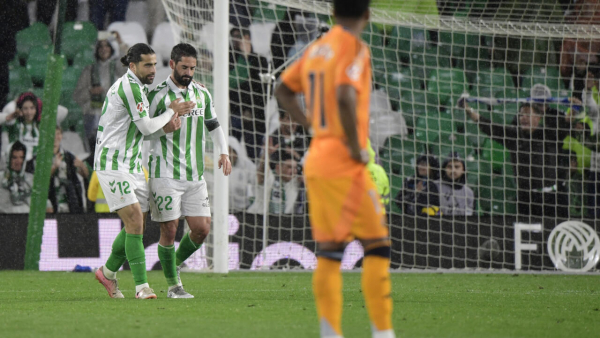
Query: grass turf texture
[60,304]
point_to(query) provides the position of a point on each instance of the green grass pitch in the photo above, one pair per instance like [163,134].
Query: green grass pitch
[258,304]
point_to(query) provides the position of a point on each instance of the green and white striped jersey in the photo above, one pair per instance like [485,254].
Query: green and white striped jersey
[180,155]
[119,142]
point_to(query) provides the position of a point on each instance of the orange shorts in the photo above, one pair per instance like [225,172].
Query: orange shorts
[344,208]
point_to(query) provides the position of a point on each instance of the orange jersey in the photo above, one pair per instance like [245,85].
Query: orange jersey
[337,58]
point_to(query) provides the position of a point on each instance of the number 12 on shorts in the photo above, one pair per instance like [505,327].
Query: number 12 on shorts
[122,186]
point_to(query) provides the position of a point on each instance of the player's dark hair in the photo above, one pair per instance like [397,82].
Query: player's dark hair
[352,9]
[183,50]
[134,54]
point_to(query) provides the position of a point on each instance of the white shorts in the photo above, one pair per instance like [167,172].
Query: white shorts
[172,199]
[122,189]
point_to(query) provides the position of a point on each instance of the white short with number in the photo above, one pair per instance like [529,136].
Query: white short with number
[122,189]
[171,199]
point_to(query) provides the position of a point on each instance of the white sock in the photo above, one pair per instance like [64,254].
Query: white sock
[139,288]
[384,334]
[109,274]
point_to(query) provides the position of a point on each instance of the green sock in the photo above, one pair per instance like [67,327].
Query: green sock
[117,256]
[186,248]
[136,257]
[166,254]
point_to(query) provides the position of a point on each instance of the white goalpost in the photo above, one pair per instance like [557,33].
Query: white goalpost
[426,56]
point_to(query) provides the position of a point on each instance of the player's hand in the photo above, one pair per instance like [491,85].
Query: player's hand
[57,161]
[182,107]
[173,124]
[361,156]
[225,163]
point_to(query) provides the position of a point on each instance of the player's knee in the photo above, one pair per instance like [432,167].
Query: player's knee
[168,231]
[384,251]
[201,227]
[335,254]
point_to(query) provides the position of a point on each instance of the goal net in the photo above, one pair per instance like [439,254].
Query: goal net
[475,189]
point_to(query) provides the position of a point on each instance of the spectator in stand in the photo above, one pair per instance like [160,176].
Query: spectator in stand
[246,91]
[534,140]
[456,198]
[420,193]
[285,188]
[115,8]
[291,136]
[67,188]
[94,82]
[15,191]
[242,179]
[20,119]
[14,18]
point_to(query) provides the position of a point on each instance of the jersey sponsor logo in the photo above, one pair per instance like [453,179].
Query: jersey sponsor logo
[195,112]
[354,71]
[323,51]
[574,246]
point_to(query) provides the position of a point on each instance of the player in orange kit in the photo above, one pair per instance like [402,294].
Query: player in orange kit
[334,74]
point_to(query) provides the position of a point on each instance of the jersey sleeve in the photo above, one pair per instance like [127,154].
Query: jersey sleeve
[209,104]
[351,66]
[159,101]
[133,99]
[292,76]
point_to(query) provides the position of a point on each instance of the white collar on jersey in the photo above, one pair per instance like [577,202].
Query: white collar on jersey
[176,89]
[129,72]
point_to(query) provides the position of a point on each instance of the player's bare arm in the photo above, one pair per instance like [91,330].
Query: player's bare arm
[287,100]
[346,96]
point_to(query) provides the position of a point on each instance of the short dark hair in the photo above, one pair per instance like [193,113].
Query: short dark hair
[534,107]
[352,9]
[134,54]
[183,50]
[17,146]
[278,157]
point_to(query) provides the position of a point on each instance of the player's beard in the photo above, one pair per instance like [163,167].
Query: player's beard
[146,80]
[182,80]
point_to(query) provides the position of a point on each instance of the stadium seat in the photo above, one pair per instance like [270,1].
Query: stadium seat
[264,12]
[430,59]
[32,36]
[130,32]
[549,76]
[260,34]
[496,154]
[401,84]
[37,64]
[445,86]
[428,129]
[398,155]
[407,40]
[84,58]
[77,36]
[19,81]
[70,78]
[163,41]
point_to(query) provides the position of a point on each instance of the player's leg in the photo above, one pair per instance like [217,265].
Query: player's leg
[196,208]
[166,209]
[132,216]
[326,197]
[377,286]
[327,288]
[371,229]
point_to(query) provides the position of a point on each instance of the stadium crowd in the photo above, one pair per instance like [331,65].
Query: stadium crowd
[549,163]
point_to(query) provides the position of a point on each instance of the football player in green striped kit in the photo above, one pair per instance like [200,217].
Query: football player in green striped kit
[123,124]
[176,165]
